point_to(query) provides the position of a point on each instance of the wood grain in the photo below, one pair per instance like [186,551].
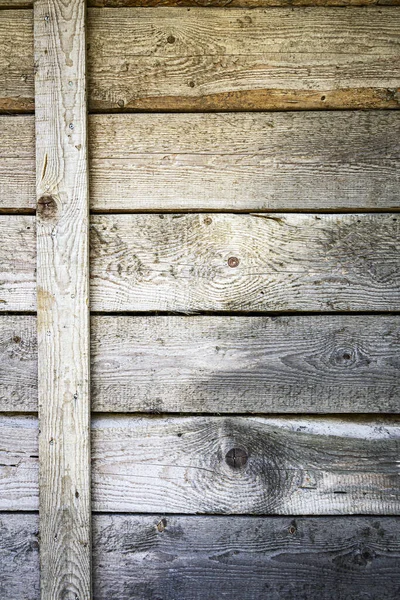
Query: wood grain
[222,59]
[292,466]
[16,61]
[18,363]
[17,163]
[175,59]
[318,364]
[212,3]
[63,299]
[203,558]
[238,364]
[224,262]
[248,161]
[17,263]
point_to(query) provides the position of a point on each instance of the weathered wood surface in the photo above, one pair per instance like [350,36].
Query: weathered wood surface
[18,363]
[224,262]
[247,161]
[313,364]
[16,60]
[17,263]
[239,364]
[213,3]
[238,465]
[17,163]
[208,558]
[222,59]
[216,59]
[63,298]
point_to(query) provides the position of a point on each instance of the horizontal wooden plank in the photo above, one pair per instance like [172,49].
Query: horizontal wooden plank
[246,161]
[222,262]
[18,363]
[227,465]
[175,59]
[212,3]
[238,364]
[208,558]
[222,59]
[319,364]
[16,60]
[235,3]
[17,263]
[17,163]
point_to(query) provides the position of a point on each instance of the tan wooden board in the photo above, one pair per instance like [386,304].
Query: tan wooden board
[222,59]
[331,160]
[313,364]
[206,557]
[228,465]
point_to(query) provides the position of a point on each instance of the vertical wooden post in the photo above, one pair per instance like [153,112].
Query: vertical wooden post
[63,299]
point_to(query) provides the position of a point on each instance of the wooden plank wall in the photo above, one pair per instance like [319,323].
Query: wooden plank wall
[245,287]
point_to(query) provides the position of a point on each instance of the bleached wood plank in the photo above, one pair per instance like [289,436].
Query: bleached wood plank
[318,364]
[224,262]
[206,557]
[63,298]
[239,465]
[229,59]
[246,161]
[222,59]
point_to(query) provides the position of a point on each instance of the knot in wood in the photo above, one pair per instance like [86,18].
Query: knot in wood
[47,207]
[236,458]
[233,262]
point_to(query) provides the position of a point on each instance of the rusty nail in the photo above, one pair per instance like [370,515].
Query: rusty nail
[233,262]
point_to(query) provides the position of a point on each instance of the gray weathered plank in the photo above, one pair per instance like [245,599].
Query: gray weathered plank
[17,163]
[222,59]
[63,298]
[238,364]
[224,262]
[208,558]
[295,465]
[18,363]
[247,161]
[205,364]
[230,59]
[17,263]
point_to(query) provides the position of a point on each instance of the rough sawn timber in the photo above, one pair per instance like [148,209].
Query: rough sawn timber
[227,465]
[222,59]
[319,364]
[207,558]
[222,262]
[63,299]
[247,161]
[332,160]
[225,262]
